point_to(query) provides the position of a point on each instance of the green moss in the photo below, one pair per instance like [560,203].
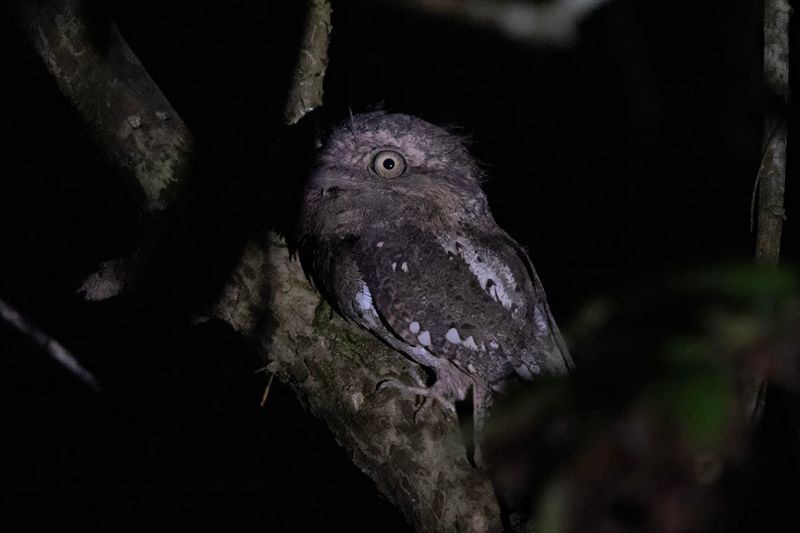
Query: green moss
[552,515]
[323,315]
[698,396]
[343,343]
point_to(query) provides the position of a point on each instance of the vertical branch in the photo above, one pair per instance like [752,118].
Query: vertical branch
[772,178]
[306,90]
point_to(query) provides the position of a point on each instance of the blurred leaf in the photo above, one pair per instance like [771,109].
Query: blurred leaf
[700,398]
[685,350]
[594,314]
[552,508]
[734,331]
[703,406]
[743,282]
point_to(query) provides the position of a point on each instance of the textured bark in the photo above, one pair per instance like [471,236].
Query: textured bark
[106,83]
[127,113]
[306,89]
[772,174]
[334,368]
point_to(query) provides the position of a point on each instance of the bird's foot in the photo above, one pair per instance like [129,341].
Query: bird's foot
[430,395]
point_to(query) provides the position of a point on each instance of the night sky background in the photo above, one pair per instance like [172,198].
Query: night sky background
[627,156]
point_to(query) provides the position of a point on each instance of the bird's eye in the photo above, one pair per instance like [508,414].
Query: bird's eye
[388,164]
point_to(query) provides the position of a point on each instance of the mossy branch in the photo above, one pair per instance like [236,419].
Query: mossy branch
[334,368]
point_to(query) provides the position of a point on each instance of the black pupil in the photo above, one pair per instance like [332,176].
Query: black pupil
[388,163]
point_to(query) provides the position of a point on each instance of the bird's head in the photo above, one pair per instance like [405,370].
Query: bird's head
[394,154]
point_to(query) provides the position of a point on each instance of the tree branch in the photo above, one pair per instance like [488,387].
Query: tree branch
[771,179]
[306,89]
[772,175]
[334,369]
[51,346]
[128,115]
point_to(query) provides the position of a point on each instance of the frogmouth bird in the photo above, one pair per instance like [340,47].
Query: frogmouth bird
[397,235]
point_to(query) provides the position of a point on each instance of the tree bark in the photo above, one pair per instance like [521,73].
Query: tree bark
[333,368]
[771,180]
[128,115]
[772,174]
[306,90]
[108,86]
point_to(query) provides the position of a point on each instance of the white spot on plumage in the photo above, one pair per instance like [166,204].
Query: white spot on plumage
[471,368]
[424,338]
[469,342]
[494,276]
[358,400]
[493,345]
[493,293]
[394,267]
[452,336]
[540,320]
[414,327]
[404,267]
[380,244]
[364,298]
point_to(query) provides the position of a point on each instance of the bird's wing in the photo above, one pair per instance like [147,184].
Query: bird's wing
[459,299]
[550,350]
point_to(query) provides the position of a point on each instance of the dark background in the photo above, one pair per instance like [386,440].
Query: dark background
[629,155]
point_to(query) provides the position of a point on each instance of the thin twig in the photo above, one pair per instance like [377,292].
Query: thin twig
[266,390]
[53,348]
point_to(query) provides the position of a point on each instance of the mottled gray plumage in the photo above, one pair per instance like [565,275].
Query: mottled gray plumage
[397,234]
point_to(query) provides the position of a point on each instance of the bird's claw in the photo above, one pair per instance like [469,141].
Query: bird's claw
[429,394]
